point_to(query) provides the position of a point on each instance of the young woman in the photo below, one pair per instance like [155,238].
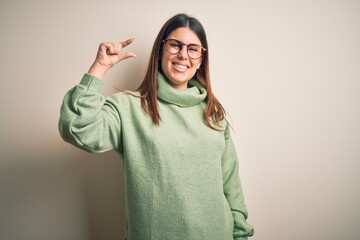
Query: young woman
[180,164]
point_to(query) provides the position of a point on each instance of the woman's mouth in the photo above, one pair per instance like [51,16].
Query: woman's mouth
[179,67]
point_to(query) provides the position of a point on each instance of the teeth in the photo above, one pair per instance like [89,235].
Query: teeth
[180,66]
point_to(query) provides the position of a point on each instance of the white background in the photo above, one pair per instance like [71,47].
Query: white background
[286,71]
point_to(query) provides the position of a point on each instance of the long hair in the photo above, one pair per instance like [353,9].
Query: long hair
[214,111]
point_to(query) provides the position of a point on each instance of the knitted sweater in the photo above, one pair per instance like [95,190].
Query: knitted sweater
[181,177]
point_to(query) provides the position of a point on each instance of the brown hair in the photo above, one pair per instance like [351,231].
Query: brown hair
[214,111]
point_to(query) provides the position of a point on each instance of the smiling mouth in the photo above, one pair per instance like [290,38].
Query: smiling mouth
[180,67]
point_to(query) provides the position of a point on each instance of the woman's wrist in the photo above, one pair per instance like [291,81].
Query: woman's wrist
[97,70]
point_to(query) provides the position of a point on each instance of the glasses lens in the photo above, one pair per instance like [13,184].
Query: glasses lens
[174,47]
[194,51]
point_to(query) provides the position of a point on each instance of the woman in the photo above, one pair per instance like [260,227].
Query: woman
[180,164]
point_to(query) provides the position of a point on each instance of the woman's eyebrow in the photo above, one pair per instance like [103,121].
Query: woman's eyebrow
[186,43]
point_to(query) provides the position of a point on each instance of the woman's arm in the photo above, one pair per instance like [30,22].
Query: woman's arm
[233,190]
[87,119]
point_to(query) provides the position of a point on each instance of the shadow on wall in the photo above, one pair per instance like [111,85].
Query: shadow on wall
[74,196]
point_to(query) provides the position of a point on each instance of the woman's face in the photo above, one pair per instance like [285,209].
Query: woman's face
[180,68]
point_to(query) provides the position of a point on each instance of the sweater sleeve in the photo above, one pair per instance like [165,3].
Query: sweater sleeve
[88,120]
[233,190]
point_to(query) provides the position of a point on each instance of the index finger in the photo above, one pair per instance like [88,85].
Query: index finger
[127,42]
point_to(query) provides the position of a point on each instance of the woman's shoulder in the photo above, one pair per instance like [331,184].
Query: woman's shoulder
[125,97]
[128,94]
[226,126]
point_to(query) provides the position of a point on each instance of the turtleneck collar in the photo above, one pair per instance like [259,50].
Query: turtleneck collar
[191,96]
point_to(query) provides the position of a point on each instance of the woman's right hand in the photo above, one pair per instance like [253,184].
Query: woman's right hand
[109,54]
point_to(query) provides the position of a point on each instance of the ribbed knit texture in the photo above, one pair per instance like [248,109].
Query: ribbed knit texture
[181,177]
[192,96]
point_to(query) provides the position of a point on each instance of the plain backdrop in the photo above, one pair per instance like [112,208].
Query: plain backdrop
[288,73]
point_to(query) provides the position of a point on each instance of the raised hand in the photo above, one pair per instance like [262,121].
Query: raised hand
[109,54]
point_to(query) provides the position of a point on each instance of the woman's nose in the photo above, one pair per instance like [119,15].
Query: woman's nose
[183,53]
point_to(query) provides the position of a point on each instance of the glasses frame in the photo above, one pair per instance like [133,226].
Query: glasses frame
[203,50]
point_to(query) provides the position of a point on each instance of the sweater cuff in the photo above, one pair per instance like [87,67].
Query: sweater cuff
[241,238]
[92,83]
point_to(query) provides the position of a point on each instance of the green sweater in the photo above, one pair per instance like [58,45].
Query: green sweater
[181,177]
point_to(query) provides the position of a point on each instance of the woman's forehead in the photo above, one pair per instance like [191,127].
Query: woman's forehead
[185,35]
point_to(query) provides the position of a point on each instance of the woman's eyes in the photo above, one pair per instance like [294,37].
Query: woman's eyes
[193,49]
[190,48]
[175,45]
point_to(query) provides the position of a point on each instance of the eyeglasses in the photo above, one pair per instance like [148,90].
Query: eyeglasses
[174,46]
